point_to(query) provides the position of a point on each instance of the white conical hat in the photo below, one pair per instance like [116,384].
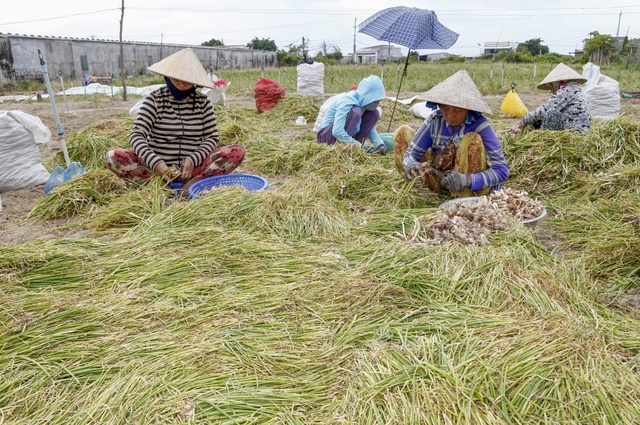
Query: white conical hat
[460,91]
[184,66]
[560,73]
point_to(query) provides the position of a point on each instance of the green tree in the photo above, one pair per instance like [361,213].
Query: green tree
[514,57]
[292,56]
[264,44]
[535,47]
[213,42]
[337,54]
[599,47]
[329,58]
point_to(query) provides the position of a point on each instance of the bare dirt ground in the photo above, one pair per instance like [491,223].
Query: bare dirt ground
[74,116]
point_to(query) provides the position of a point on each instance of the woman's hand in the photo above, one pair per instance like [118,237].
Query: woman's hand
[187,169]
[161,169]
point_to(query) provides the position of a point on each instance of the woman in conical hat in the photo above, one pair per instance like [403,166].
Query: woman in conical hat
[175,133]
[455,150]
[568,107]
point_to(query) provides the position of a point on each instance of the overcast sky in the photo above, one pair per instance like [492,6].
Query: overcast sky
[562,25]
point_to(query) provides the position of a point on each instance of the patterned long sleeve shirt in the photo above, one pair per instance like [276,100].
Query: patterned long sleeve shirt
[571,103]
[170,130]
[435,133]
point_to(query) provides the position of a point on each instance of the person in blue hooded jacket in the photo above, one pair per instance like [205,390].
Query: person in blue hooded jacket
[351,117]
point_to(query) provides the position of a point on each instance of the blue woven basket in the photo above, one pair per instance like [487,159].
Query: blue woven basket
[248,181]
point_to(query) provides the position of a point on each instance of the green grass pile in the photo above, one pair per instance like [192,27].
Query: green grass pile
[315,302]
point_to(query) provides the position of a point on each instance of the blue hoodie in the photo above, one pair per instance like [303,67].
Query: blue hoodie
[369,90]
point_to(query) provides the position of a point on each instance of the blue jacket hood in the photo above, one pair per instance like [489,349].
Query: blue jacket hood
[370,90]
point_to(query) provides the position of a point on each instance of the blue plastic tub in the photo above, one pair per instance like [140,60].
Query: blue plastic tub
[248,181]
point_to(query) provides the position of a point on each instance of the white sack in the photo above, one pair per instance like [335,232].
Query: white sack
[602,92]
[146,91]
[322,113]
[20,165]
[421,110]
[311,79]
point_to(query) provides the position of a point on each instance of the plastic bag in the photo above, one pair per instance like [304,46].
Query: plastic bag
[218,94]
[55,179]
[512,104]
[74,169]
[61,175]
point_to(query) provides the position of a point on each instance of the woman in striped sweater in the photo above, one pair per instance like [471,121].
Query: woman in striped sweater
[175,133]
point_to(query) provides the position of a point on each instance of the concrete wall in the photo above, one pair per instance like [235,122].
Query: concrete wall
[19,57]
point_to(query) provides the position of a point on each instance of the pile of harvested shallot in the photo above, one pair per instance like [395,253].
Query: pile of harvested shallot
[474,221]
[516,203]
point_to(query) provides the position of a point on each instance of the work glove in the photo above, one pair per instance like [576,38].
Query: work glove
[368,149]
[454,182]
[414,171]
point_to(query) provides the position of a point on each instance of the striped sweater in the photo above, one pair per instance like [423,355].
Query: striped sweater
[435,133]
[170,130]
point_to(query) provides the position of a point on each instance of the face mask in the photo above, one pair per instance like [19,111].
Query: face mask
[177,93]
[371,106]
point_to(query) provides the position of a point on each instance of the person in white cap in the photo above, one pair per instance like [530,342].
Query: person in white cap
[568,107]
[455,151]
[175,133]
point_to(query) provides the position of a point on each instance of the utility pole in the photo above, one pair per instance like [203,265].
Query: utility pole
[618,30]
[354,40]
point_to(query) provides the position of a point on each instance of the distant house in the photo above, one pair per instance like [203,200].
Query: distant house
[434,56]
[376,54]
[493,47]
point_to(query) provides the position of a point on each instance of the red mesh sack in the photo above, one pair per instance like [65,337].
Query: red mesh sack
[267,94]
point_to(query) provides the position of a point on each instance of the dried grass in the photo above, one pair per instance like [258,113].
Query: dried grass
[314,302]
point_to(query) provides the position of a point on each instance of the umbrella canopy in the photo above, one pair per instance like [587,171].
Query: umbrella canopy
[410,27]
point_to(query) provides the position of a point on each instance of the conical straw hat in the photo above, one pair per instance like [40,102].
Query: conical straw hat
[458,90]
[560,73]
[184,66]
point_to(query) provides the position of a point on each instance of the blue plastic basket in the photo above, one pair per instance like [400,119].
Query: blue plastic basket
[248,181]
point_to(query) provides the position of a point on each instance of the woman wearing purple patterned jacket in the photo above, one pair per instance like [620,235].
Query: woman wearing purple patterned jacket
[568,107]
[455,151]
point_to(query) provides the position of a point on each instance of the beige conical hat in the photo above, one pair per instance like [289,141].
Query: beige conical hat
[184,66]
[560,73]
[458,90]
